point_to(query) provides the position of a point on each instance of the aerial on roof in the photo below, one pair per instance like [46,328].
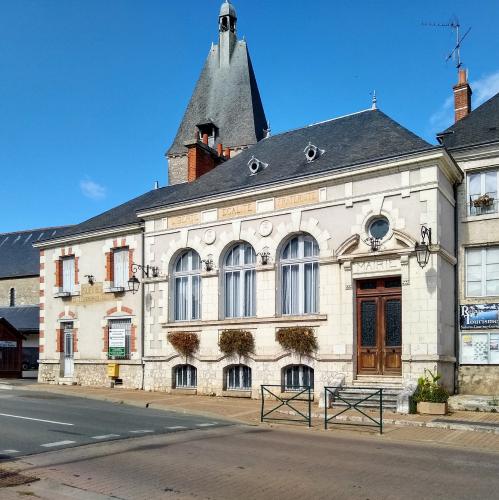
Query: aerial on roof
[226,95]
[479,127]
[23,319]
[17,255]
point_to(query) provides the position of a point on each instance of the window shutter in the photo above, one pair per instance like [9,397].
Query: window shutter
[68,274]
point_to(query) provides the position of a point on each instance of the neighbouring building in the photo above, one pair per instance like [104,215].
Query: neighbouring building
[473,141]
[20,295]
[313,229]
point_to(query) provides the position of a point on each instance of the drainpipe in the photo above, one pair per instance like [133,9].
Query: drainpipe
[143,311]
[456,293]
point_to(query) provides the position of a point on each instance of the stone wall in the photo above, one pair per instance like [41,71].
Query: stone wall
[49,373]
[479,380]
[177,169]
[27,291]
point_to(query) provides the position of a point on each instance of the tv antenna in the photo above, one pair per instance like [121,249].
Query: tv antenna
[456,51]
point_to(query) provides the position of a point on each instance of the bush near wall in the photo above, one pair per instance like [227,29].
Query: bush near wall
[186,343]
[298,339]
[239,342]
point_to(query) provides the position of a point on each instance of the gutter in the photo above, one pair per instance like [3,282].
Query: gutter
[456,294]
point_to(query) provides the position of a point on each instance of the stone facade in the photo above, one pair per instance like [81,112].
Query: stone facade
[26,291]
[479,379]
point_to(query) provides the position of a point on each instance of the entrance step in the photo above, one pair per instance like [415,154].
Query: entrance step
[373,381]
[364,387]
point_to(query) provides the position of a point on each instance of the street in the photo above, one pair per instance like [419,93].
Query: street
[186,456]
[34,422]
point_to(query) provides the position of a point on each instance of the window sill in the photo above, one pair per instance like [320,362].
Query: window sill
[475,218]
[65,295]
[115,289]
[185,391]
[309,318]
[237,394]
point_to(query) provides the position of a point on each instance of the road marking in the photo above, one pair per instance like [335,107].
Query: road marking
[35,419]
[141,431]
[205,425]
[57,443]
[173,427]
[10,452]
[106,436]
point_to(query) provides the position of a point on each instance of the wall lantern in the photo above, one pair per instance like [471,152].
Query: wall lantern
[264,257]
[90,278]
[423,249]
[147,271]
[374,243]
[208,264]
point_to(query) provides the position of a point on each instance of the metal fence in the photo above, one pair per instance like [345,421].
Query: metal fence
[299,402]
[345,397]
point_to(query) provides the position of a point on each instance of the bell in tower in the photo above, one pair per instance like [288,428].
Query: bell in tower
[227,18]
[227,32]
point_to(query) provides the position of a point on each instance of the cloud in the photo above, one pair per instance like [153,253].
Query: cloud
[483,89]
[92,189]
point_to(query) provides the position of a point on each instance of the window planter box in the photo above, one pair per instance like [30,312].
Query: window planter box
[426,408]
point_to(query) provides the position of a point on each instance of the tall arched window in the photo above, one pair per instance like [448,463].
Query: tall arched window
[239,281]
[238,378]
[300,276]
[185,377]
[187,286]
[12,297]
[297,377]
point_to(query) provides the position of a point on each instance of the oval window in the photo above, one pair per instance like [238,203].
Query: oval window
[379,228]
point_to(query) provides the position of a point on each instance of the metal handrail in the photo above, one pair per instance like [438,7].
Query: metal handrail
[334,391]
[283,401]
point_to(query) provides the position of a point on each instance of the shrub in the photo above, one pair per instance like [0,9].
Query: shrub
[239,342]
[429,390]
[299,339]
[186,343]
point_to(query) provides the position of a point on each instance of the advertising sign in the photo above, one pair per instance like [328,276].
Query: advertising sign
[117,339]
[8,343]
[475,349]
[479,316]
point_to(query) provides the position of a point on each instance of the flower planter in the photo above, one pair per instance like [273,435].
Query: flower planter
[426,408]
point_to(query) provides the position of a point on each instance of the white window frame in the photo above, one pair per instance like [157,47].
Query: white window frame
[189,275]
[482,174]
[121,275]
[241,369]
[483,265]
[68,268]
[190,375]
[301,261]
[245,304]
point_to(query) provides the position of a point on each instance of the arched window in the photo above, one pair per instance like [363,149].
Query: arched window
[238,378]
[239,281]
[12,297]
[185,377]
[297,377]
[300,276]
[187,286]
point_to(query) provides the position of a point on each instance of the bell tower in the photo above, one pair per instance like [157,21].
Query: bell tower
[227,21]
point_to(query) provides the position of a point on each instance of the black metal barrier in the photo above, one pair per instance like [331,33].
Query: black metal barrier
[344,395]
[303,394]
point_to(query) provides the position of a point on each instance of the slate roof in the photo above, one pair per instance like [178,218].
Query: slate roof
[347,141]
[23,318]
[18,257]
[479,127]
[229,98]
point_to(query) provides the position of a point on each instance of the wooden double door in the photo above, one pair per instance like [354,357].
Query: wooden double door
[379,326]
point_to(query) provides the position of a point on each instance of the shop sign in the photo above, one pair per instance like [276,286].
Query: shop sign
[479,316]
[8,343]
[117,339]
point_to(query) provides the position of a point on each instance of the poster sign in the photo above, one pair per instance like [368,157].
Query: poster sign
[475,349]
[117,339]
[8,343]
[479,316]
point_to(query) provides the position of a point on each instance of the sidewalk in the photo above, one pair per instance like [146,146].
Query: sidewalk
[475,429]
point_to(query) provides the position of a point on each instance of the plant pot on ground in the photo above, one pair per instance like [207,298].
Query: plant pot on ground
[430,396]
[299,339]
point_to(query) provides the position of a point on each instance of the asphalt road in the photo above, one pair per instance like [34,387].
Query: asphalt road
[34,422]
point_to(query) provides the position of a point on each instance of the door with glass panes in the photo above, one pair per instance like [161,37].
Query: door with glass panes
[379,326]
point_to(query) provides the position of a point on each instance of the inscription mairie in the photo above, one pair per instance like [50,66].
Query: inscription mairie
[90,294]
[376,266]
[237,210]
[296,200]
[184,220]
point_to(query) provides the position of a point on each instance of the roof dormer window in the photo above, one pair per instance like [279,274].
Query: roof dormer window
[207,133]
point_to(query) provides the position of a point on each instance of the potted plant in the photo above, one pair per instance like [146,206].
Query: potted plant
[430,396]
[186,343]
[483,201]
[238,342]
[298,339]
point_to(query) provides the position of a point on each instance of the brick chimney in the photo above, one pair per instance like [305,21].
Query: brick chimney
[201,159]
[462,96]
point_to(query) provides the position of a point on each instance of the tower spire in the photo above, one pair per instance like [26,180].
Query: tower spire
[227,22]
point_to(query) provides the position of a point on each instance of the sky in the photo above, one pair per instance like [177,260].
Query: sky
[92,92]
